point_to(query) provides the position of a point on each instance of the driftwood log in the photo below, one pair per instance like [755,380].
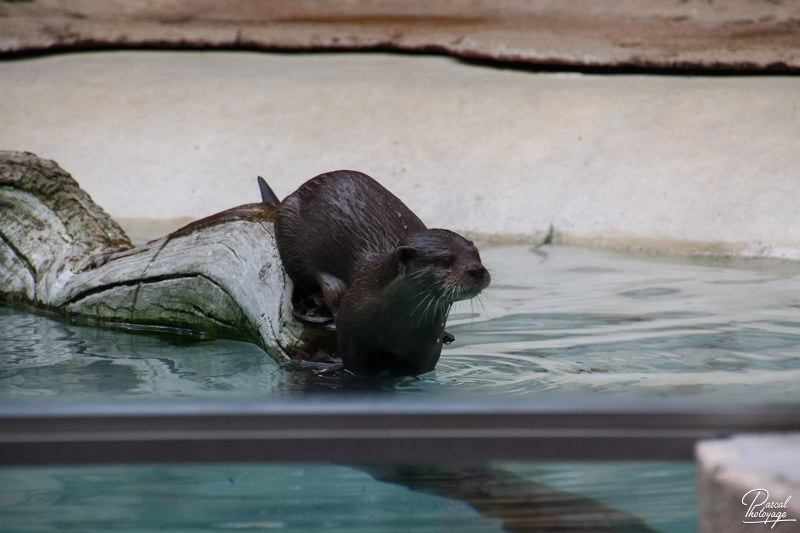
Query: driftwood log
[220,276]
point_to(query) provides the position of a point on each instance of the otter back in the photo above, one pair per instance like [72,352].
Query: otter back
[334,223]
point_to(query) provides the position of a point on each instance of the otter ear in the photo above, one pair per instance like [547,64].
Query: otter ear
[405,254]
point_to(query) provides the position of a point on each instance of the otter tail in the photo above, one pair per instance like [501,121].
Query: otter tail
[267,196]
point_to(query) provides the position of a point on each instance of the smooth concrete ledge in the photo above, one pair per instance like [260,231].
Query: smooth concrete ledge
[690,165]
[729,469]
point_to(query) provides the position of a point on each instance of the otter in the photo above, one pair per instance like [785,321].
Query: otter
[388,280]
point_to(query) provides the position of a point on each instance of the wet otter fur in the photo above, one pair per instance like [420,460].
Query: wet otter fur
[388,280]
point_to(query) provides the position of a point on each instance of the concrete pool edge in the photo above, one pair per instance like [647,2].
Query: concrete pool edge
[683,248]
[143,230]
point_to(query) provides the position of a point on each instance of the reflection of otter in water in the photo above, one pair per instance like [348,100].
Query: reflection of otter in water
[388,280]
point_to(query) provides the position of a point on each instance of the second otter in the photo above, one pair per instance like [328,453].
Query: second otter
[388,280]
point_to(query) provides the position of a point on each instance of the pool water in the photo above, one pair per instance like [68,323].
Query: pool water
[571,323]
[314,497]
[559,325]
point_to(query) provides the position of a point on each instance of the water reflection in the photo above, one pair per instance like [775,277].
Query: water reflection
[44,357]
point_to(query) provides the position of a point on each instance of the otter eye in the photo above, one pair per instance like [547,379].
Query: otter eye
[446,260]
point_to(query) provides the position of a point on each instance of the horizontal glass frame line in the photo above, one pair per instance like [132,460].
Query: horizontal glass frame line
[367,432]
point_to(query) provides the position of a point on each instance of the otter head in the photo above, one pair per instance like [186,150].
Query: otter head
[444,263]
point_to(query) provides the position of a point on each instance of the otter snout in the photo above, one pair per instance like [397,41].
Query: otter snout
[479,273]
[473,279]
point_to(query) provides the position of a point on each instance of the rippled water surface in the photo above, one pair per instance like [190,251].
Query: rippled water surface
[558,323]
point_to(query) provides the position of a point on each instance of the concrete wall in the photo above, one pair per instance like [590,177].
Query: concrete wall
[668,163]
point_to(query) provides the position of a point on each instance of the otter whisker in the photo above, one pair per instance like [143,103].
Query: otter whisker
[426,300]
[451,291]
[431,301]
[479,299]
[424,296]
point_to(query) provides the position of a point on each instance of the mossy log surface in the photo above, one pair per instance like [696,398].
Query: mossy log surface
[220,276]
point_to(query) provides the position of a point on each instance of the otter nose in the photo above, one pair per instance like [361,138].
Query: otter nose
[478,271]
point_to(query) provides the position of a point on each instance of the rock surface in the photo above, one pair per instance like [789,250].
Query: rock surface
[729,469]
[735,34]
[667,163]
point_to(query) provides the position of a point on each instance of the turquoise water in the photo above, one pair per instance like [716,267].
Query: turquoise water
[559,325]
[303,497]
